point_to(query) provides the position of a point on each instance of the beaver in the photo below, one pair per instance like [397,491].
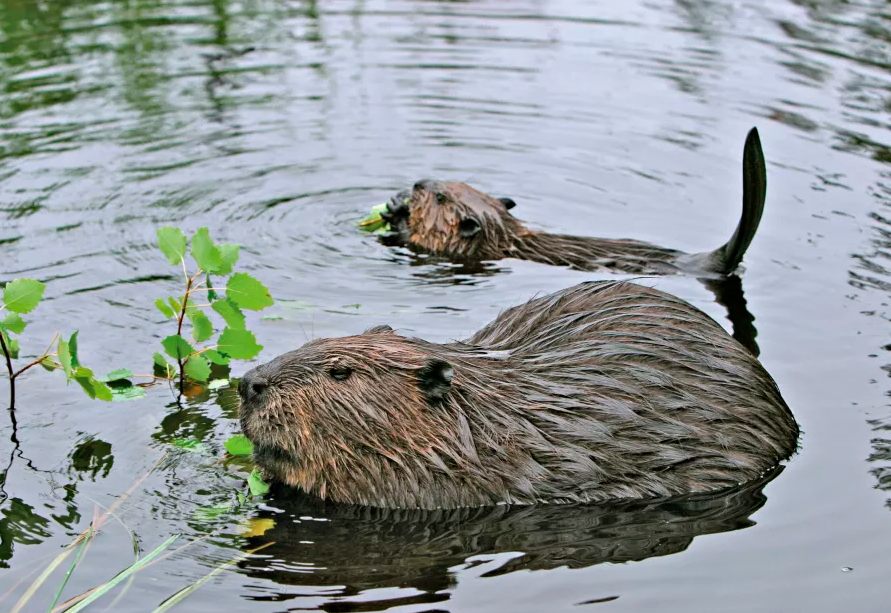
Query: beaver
[461,223]
[603,391]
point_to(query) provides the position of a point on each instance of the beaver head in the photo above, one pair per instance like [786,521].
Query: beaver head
[347,418]
[452,218]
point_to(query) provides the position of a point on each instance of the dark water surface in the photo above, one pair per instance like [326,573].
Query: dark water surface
[598,118]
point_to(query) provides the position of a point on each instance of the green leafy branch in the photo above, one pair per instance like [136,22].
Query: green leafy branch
[240,448]
[20,297]
[242,292]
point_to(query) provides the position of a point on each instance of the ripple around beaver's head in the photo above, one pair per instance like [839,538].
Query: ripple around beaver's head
[340,545]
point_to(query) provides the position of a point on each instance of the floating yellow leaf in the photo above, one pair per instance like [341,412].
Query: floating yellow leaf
[258,526]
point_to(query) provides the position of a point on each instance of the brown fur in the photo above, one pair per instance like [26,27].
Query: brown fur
[462,223]
[603,391]
[438,208]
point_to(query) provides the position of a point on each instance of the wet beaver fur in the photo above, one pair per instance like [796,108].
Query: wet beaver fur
[465,225]
[606,390]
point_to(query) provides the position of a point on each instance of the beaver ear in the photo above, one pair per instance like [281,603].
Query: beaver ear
[378,329]
[508,203]
[435,378]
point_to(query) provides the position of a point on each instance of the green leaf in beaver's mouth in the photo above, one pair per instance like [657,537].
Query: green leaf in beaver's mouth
[256,484]
[374,222]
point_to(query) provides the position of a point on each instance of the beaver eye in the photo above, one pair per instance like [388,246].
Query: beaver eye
[340,373]
[441,198]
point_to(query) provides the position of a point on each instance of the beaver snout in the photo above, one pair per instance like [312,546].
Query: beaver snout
[252,386]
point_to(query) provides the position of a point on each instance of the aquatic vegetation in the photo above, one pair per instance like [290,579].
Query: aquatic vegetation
[242,292]
[238,446]
[373,222]
[81,543]
[20,297]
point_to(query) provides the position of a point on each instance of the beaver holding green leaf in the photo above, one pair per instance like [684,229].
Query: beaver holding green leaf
[603,391]
[465,225]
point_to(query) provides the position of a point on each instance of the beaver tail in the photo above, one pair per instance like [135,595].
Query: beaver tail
[727,258]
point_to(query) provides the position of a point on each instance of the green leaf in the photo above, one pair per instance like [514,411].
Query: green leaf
[118,374]
[202,329]
[94,389]
[197,368]
[13,345]
[205,252]
[86,385]
[123,394]
[172,242]
[103,392]
[64,355]
[229,254]
[72,348]
[239,445]
[177,347]
[82,371]
[230,313]
[373,222]
[256,484]
[166,311]
[216,357]
[189,444]
[217,384]
[239,344]
[162,363]
[175,305]
[47,364]
[213,512]
[211,293]
[247,292]
[23,295]
[14,323]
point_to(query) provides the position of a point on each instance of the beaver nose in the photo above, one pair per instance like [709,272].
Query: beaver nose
[252,385]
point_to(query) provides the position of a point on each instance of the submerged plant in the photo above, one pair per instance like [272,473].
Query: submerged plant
[20,297]
[241,292]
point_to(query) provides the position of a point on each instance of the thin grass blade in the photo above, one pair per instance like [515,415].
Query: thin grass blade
[74,563]
[111,583]
[32,589]
[184,593]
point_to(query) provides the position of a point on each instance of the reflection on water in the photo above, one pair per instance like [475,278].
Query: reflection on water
[366,549]
[277,123]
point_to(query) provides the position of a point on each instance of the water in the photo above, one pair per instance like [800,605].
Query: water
[279,123]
